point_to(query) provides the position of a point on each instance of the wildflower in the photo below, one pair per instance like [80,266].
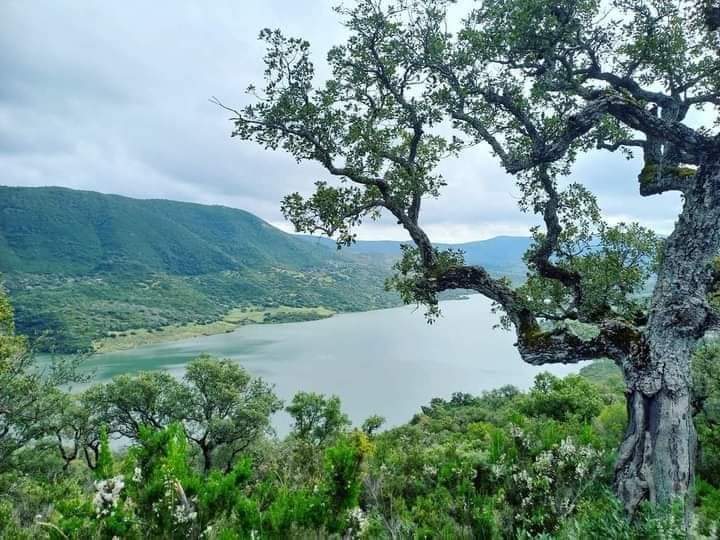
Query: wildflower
[107,495]
[516,432]
[358,521]
[497,470]
[567,448]
[182,514]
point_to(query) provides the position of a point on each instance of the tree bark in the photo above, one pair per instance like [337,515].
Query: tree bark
[207,458]
[656,460]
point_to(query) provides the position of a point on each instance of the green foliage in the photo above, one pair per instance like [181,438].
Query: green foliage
[417,284]
[222,409]
[706,397]
[129,402]
[225,410]
[29,396]
[371,424]
[505,464]
[104,463]
[341,479]
[316,419]
[614,262]
[571,397]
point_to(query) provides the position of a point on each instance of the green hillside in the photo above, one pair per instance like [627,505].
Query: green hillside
[57,230]
[82,266]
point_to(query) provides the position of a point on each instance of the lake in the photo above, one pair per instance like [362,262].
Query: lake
[387,362]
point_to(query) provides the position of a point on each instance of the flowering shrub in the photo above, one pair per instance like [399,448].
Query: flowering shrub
[544,491]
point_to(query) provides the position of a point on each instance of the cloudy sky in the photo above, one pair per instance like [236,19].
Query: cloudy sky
[113,97]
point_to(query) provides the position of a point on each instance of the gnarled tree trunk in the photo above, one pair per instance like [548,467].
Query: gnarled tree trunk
[657,457]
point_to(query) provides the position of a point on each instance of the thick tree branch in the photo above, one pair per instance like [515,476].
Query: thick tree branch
[560,345]
[692,144]
[613,147]
[629,85]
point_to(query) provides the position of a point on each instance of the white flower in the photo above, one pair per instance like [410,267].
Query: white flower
[107,495]
[497,470]
[358,521]
[544,460]
[516,432]
[567,447]
[182,514]
[137,475]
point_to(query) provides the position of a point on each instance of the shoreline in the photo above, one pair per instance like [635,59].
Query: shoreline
[231,321]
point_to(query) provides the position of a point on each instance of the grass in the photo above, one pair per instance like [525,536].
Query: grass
[232,320]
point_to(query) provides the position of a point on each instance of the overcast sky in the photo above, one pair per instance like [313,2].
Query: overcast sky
[113,97]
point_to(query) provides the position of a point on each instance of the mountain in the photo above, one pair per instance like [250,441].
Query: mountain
[87,270]
[82,266]
[501,254]
[57,230]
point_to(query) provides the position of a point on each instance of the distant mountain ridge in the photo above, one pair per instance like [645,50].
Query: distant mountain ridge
[501,254]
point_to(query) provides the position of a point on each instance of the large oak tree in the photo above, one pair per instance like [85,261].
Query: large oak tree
[540,83]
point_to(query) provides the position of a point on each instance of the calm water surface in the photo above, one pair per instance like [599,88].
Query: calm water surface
[387,362]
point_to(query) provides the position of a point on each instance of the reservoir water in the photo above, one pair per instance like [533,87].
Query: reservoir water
[387,362]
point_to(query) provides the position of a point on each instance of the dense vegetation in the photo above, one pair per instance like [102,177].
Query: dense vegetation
[198,459]
[81,266]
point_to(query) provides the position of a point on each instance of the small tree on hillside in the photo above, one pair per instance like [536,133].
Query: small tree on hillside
[227,411]
[317,419]
[222,409]
[540,83]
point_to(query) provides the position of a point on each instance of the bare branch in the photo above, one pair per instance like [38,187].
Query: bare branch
[640,143]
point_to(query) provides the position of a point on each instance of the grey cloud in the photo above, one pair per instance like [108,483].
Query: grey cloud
[113,96]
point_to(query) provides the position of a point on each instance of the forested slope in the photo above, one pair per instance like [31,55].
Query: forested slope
[81,266]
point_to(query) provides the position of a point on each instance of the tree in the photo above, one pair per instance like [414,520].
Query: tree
[129,402]
[29,393]
[219,405]
[317,419]
[372,424]
[75,431]
[227,409]
[563,399]
[540,83]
